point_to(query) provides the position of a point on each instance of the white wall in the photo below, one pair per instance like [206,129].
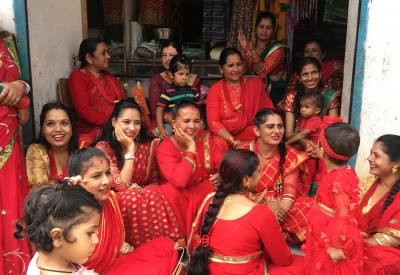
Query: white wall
[7,16]
[55,32]
[380,112]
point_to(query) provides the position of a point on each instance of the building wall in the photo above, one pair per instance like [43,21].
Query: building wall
[376,109]
[55,31]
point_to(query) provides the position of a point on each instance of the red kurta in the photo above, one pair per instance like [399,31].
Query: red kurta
[233,107]
[93,99]
[191,185]
[371,220]
[252,240]
[332,224]
[156,257]
[13,180]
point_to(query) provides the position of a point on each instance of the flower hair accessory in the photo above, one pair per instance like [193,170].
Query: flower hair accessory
[203,241]
[328,120]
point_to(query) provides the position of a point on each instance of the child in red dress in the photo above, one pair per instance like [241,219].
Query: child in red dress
[334,243]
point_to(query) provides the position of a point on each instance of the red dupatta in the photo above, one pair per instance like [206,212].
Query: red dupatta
[253,97]
[111,236]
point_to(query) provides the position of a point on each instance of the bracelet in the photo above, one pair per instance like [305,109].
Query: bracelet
[125,248]
[190,155]
[192,162]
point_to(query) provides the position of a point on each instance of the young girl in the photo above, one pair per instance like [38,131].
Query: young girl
[334,244]
[178,90]
[61,221]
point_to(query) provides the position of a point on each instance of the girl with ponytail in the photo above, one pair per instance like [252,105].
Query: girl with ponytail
[280,180]
[378,213]
[231,233]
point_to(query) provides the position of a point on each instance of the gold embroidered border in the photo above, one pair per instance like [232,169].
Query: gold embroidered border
[207,157]
[389,231]
[6,152]
[327,210]
[219,258]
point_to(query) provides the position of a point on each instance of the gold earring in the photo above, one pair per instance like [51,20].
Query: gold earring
[394,169]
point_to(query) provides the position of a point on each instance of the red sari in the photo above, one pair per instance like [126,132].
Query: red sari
[380,259]
[244,245]
[146,212]
[332,224]
[189,186]
[157,257]
[93,99]
[233,107]
[270,180]
[13,180]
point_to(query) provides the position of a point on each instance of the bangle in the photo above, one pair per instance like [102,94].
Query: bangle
[129,156]
[190,155]
[125,248]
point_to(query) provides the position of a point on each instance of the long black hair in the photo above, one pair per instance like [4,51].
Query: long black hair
[260,119]
[235,166]
[73,142]
[80,160]
[299,86]
[108,130]
[226,53]
[391,147]
[57,205]
[88,46]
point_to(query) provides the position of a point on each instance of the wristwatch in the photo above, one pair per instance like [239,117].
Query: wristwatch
[129,156]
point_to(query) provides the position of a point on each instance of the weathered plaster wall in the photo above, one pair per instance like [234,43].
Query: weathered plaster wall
[55,31]
[380,98]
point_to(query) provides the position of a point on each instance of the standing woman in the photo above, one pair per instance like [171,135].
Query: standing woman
[378,213]
[47,158]
[161,81]
[265,56]
[13,181]
[233,101]
[93,90]
[231,233]
[309,76]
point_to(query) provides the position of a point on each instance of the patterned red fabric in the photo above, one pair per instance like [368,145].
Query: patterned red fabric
[313,124]
[53,167]
[273,63]
[145,165]
[234,109]
[93,100]
[335,227]
[13,180]
[270,177]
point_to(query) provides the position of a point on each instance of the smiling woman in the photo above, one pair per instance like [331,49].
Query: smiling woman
[47,158]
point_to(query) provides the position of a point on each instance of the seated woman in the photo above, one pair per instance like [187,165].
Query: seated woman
[160,82]
[309,79]
[266,57]
[131,153]
[13,180]
[47,158]
[93,90]
[233,101]
[378,213]
[280,180]
[189,159]
[232,234]
[112,255]
[331,70]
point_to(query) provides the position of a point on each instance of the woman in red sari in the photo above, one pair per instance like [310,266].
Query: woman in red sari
[378,213]
[47,158]
[145,208]
[93,90]
[189,162]
[112,255]
[280,182]
[233,101]
[160,82]
[232,234]
[13,181]
[266,56]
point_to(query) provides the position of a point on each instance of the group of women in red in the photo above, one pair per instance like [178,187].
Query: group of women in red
[222,200]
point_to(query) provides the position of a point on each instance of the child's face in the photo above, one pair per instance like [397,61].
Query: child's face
[82,240]
[308,108]
[97,178]
[181,77]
